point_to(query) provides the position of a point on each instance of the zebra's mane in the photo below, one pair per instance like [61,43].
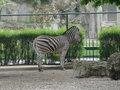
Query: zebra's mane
[71,28]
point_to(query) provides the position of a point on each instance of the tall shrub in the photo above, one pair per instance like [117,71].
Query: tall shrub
[109,41]
[16,44]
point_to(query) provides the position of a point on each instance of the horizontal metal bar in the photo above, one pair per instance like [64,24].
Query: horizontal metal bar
[69,13]
[91,56]
[30,14]
[91,48]
[111,12]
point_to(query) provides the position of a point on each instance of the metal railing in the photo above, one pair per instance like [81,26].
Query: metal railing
[90,45]
[69,13]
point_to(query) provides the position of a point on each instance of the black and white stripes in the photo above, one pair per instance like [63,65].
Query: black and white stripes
[49,44]
[46,43]
[71,32]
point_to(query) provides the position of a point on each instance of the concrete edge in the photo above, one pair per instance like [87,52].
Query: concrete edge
[32,67]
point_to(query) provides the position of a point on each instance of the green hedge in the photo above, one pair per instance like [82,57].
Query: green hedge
[28,33]
[15,44]
[109,41]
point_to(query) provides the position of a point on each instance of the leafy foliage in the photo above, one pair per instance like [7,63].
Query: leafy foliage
[15,44]
[45,1]
[28,33]
[97,3]
[109,41]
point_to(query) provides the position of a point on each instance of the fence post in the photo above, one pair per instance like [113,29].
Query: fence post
[33,55]
[93,49]
[66,21]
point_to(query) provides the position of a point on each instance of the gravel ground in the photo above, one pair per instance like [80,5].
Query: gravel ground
[53,80]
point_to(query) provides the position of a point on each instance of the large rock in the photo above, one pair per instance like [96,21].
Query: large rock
[90,68]
[49,6]
[114,66]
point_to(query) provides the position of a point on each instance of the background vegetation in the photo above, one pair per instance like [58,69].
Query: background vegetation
[16,45]
[97,3]
[109,41]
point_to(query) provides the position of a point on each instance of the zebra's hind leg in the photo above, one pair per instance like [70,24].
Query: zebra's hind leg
[39,62]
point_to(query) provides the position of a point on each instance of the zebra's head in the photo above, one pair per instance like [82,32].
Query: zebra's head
[73,34]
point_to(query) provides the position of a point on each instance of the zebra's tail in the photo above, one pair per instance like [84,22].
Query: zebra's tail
[34,46]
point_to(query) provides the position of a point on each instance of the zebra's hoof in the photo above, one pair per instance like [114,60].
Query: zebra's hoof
[63,69]
[40,70]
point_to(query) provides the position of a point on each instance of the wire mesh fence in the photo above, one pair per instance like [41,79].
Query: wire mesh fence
[20,51]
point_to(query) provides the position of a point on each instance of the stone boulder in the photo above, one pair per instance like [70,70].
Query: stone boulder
[90,68]
[114,66]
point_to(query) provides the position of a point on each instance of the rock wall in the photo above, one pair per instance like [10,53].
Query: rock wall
[55,6]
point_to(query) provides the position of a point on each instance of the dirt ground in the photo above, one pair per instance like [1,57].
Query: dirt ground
[53,80]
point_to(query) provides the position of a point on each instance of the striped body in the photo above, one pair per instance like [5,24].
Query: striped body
[55,44]
[50,44]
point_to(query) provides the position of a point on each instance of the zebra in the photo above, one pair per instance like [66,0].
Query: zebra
[44,44]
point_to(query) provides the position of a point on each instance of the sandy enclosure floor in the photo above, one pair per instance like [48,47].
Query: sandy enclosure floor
[53,80]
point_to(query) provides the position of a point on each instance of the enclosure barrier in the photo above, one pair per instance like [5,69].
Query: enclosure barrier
[91,46]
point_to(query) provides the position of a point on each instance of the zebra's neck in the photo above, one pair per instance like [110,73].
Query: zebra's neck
[70,34]
[70,37]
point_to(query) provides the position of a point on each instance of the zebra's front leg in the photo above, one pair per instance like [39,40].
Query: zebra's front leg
[39,62]
[40,66]
[62,59]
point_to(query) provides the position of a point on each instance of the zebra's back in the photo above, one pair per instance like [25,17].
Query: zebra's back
[47,44]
